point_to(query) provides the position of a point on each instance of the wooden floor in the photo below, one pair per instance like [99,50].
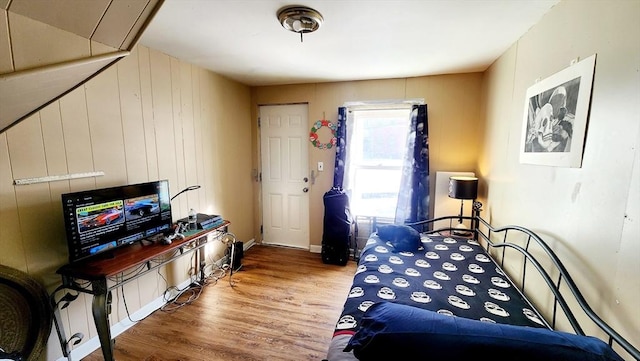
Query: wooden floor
[283,305]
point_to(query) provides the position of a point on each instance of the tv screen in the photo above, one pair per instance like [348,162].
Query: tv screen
[100,220]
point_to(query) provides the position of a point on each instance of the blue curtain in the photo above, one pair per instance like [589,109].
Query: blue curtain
[341,148]
[413,198]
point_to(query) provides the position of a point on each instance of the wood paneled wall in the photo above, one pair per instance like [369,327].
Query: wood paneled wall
[149,117]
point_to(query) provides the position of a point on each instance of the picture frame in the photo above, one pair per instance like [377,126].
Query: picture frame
[556,112]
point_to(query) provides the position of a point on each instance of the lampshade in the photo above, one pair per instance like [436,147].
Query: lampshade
[463,187]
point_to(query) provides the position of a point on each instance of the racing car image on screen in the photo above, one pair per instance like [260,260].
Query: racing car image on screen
[142,207]
[109,216]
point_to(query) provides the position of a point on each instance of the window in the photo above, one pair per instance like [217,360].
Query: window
[376,149]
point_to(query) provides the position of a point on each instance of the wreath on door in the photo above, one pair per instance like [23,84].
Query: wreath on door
[313,135]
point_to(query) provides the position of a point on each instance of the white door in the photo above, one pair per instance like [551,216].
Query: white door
[284,133]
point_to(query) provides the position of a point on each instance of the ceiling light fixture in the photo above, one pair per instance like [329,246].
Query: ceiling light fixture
[300,19]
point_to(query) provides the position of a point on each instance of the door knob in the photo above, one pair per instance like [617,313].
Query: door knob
[305,189]
[305,179]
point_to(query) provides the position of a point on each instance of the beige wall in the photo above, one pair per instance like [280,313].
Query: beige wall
[453,105]
[590,214]
[155,117]
[150,117]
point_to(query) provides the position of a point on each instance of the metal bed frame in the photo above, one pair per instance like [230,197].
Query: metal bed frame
[501,239]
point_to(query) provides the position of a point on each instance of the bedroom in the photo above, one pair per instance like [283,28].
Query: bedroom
[591,213]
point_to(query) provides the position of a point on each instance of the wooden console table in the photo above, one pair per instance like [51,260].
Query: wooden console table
[97,271]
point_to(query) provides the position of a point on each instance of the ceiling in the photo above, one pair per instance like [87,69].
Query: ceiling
[359,39]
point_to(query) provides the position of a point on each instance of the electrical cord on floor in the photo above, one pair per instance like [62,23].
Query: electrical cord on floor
[124,300]
[226,268]
[192,292]
[214,274]
[126,307]
[189,293]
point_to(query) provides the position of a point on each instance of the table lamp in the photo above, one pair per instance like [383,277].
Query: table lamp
[462,188]
[189,188]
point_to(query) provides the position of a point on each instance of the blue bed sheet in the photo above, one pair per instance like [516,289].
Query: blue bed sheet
[448,274]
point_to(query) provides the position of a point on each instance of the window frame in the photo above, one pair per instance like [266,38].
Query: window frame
[355,159]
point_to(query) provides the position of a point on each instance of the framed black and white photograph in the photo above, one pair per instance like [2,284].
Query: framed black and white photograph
[555,117]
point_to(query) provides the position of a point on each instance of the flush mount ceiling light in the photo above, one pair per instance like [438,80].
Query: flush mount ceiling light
[300,19]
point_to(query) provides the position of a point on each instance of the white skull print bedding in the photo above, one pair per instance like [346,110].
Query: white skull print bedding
[449,275]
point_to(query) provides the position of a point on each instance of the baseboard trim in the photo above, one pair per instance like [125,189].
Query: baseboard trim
[315,249]
[248,244]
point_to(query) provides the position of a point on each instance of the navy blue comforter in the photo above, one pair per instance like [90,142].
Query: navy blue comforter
[449,275]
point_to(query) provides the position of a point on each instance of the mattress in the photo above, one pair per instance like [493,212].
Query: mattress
[450,275]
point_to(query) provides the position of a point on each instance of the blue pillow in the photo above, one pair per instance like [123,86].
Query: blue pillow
[411,333]
[402,238]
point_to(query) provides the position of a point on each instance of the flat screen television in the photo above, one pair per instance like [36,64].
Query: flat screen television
[100,220]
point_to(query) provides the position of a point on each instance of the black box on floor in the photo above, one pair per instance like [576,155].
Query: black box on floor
[236,252]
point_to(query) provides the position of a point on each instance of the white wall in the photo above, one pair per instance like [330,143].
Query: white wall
[590,214]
